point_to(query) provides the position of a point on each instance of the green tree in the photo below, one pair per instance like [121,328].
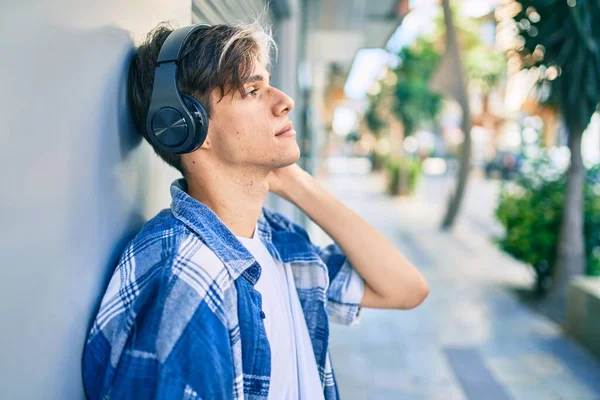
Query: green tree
[408,98]
[451,80]
[423,74]
[466,55]
[562,37]
[374,121]
[415,102]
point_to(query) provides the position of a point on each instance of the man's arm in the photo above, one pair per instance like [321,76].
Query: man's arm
[391,281]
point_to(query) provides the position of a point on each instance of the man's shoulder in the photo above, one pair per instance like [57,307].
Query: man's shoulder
[290,238]
[280,222]
[167,243]
[166,278]
[165,258]
[163,228]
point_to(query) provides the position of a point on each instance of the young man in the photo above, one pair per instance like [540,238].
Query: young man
[219,297]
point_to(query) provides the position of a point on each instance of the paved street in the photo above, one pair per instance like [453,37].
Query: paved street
[479,202]
[471,339]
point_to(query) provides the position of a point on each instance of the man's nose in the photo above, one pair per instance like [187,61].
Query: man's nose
[284,105]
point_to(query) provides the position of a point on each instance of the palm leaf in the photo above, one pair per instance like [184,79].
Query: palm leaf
[570,37]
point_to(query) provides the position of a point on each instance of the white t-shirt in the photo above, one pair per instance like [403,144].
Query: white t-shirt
[294,373]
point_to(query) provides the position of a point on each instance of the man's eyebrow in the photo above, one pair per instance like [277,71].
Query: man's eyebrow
[256,78]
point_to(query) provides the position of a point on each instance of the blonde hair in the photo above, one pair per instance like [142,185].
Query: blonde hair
[258,32]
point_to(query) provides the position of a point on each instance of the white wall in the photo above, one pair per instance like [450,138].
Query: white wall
[76,179]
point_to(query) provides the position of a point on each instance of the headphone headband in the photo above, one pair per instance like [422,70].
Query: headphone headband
[175,123]
[171,48]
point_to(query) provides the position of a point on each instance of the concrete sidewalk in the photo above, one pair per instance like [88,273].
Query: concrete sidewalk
[471,338]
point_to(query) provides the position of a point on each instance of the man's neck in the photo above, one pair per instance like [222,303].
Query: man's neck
[236,196]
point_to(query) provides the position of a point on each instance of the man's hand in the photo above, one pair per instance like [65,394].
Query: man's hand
[283,179]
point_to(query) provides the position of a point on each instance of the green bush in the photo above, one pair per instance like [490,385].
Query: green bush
[531,210]
[403,175]
[378,160]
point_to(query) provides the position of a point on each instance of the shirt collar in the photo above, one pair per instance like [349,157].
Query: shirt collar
[214,233]
[281,238]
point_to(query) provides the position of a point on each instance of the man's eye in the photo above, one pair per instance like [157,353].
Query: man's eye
[252,93]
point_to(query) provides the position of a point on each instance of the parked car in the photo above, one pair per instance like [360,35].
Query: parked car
[505,165]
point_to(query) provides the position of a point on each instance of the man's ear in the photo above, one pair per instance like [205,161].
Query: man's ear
[207,142]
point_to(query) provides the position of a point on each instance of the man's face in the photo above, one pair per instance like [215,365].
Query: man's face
[243,129]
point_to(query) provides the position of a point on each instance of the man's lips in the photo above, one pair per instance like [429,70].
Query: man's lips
[286,130]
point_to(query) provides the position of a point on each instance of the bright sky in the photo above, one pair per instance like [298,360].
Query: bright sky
[366,67]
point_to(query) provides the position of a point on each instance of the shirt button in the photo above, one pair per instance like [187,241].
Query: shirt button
[263,315]
[253,271]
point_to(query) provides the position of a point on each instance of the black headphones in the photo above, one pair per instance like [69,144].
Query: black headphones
[176,123]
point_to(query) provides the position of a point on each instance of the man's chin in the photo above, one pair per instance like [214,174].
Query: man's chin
[286,162]
[295,157]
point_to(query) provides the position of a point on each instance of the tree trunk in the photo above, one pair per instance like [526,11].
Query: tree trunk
[462,97]
[571,248]
[463,173]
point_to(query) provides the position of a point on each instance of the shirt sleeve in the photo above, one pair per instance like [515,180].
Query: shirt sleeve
[346,286]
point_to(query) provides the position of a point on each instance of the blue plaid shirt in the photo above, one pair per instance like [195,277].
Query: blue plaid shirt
[181,319]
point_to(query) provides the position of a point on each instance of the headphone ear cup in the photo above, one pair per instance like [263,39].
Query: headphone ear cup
[200,119]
